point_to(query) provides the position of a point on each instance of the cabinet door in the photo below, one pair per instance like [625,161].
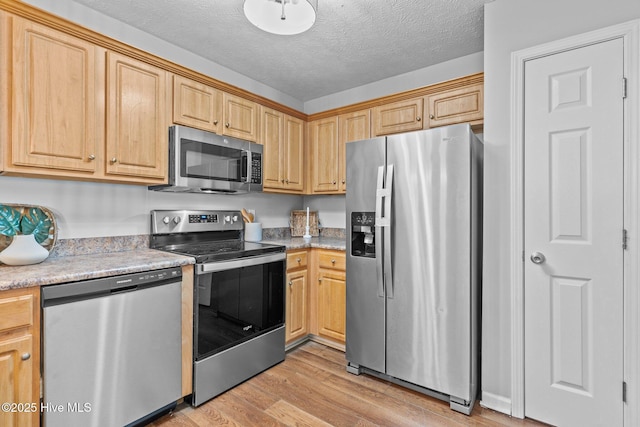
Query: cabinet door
[402,116]
[272,138]
[137,125]
[323,135]
[16,368]
[240,117]
[54,99]
[293,153]
[332,295]
[296,323]
[456,106]
[196,105]
[353,127]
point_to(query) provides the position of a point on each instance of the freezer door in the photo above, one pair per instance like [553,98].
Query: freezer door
[365,334]
[428,315]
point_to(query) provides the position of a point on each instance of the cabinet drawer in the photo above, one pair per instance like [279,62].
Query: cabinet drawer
[334,260]
[16,312]
[296,260]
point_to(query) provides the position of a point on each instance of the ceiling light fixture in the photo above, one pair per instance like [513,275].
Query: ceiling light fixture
[285,17]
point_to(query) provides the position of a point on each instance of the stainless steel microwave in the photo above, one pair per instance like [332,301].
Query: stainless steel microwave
[204,162]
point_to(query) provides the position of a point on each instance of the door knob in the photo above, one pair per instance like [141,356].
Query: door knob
[537,258]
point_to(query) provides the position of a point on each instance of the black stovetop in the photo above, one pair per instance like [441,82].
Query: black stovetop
[221,250]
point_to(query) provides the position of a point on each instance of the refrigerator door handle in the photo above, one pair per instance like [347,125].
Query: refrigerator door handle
[388,272]
[379,227]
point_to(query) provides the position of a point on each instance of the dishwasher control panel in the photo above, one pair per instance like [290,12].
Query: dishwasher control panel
[94,288]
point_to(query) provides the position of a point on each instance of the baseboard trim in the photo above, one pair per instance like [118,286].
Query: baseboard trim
[496,403]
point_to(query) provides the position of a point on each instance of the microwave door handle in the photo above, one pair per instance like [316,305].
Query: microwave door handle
[247,158]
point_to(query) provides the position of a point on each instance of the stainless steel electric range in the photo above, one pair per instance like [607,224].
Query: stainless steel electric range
[238,296]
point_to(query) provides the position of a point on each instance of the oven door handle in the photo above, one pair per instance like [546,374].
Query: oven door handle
[213,267]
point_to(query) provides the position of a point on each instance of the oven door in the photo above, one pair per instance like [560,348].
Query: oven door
[236,301]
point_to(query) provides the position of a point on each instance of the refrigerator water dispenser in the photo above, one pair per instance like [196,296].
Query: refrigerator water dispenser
[363,234]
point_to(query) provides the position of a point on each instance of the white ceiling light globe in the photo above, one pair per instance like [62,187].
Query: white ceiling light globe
[299,15]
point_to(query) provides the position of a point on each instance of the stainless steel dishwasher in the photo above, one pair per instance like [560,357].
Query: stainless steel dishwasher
[112,349]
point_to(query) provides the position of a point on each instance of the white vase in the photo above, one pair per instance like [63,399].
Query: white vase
[23,250]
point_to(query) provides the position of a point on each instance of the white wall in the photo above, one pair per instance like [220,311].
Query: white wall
[511,25]
[444,71]
[331,210]
[89,209]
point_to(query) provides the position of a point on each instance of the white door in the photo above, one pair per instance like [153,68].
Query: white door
[573,216]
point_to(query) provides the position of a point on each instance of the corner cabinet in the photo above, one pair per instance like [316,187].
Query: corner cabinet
[328,138]
[283,156]
[20,356]
[64,94]
[325,149]
[331,295]
[351,127]
[297,296]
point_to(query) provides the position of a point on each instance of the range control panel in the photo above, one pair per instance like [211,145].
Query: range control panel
[187,221]
[203,218]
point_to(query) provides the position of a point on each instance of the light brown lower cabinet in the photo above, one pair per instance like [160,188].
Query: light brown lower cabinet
[297,296]
[316,296]
[20,357]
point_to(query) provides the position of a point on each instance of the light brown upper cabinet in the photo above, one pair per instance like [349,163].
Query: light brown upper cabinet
[395,117]
[461,105]
[52,96]
[240,117]
[137,118]
[328,138]
[352,127]
[283,155]
[196,105]
[325,149]
[78,111]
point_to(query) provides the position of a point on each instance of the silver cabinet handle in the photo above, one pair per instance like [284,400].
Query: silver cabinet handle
[114,160]
[226,124]
[25,356]
[418,118]
[538,258]
[432,117]
[290,283]
[92,157]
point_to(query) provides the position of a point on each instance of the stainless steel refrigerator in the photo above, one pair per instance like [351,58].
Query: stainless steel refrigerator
[413,209]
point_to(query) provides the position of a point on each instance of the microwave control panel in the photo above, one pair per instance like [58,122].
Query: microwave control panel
[256,168]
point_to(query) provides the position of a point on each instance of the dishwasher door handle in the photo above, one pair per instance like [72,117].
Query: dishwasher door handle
[124,289]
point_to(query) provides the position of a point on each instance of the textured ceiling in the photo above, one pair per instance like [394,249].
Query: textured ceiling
[353,42]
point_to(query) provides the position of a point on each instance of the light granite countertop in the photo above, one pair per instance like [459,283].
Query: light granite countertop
[321,242]
[83,259]
[89,266]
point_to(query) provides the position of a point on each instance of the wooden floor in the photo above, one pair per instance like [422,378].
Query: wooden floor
[312,388]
